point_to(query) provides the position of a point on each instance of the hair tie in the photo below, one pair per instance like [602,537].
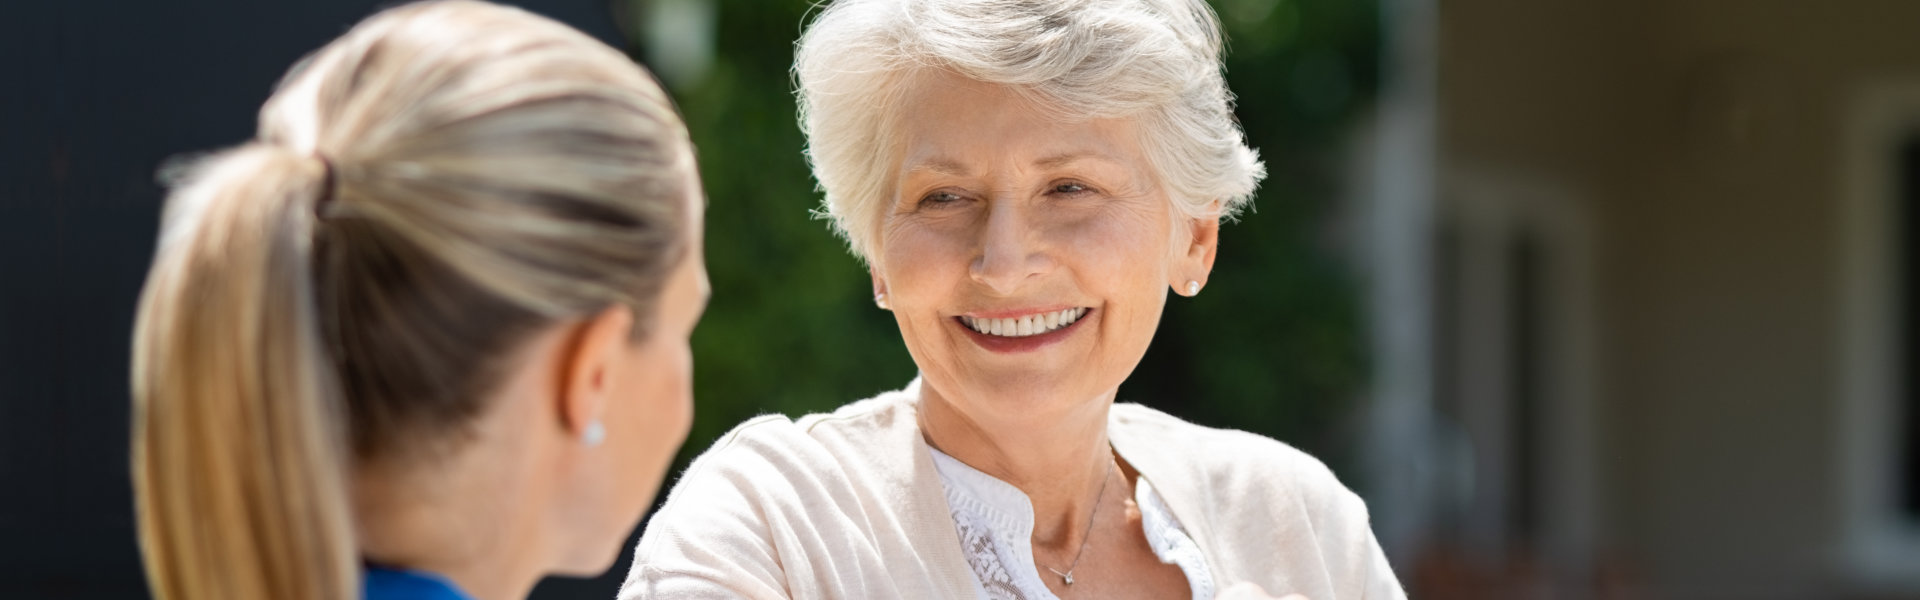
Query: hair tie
[327,185]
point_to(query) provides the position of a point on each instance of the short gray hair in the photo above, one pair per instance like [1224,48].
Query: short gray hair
[1155,60]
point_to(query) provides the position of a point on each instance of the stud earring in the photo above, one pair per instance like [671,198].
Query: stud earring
[595,434]
[880,300]
[1193,288]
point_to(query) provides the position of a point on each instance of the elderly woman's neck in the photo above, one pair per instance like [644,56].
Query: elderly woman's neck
[1058,460]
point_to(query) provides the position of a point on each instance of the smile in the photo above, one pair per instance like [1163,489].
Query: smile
[1029,325]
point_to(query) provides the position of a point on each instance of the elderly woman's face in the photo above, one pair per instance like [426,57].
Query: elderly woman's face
[1027,259]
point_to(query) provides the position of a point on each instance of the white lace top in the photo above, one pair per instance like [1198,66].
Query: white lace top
[995,523]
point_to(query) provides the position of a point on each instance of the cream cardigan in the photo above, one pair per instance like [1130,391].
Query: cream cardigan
[850,505]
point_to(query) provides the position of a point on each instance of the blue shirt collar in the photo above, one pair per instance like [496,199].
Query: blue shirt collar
[383,583]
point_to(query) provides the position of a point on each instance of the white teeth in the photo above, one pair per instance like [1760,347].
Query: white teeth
[1027,325]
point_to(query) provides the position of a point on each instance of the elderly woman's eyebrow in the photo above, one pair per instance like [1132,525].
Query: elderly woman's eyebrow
[950,167]
[1054,161]
[939,166]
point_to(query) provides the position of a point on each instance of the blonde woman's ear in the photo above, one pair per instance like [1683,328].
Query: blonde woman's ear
[588,361]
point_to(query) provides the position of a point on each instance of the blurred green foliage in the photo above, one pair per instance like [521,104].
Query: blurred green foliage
[1274,344]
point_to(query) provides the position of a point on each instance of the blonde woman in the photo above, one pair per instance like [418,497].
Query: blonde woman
[426,335]
[1028,182]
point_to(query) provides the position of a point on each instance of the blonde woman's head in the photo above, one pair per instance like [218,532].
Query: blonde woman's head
[461,254]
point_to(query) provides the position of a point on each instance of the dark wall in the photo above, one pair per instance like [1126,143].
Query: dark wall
[93,97]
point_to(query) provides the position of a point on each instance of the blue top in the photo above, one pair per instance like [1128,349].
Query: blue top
[391,584]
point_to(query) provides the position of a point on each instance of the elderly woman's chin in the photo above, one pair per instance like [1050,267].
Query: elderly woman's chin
[1020,394]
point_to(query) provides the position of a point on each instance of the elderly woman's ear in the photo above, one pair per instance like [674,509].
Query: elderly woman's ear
[879,289]
[1189,272]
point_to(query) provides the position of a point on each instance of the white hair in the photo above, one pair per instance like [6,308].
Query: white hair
[1154,60]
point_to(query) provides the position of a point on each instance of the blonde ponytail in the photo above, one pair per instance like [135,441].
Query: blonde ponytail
[487,173]
[239,455]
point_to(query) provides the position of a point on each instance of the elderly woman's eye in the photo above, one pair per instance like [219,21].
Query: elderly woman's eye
[1069,188]
[938,198]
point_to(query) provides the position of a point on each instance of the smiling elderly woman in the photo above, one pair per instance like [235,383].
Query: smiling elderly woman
[1026,179]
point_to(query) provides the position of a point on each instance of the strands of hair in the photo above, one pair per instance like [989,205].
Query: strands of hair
[423,192]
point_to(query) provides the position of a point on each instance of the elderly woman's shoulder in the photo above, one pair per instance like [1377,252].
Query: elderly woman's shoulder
[772,436]
[775,464]
[778,446]
[1251,494]
[1217,454]
[778,496]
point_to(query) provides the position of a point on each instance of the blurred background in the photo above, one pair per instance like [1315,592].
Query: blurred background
[1589,298]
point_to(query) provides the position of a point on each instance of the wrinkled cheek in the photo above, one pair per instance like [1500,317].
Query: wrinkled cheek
[1121,264]
[1128,236]
[1129,261]
[920,269]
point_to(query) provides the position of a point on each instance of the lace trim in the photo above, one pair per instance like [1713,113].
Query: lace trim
[1170,540]
[992,545]
[984,556]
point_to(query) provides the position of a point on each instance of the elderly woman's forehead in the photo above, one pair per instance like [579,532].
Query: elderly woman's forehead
[933,157]
[951,111]
[931,87]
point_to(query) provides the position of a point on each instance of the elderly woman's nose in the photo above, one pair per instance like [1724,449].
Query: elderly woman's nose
[1010,251]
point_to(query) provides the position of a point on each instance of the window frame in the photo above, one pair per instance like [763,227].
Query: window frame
[1489,209]
[1880,545]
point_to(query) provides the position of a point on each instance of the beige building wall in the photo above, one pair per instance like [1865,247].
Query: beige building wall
[1705,135]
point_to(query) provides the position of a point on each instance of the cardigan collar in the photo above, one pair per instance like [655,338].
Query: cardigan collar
[907,474]
[1181,487]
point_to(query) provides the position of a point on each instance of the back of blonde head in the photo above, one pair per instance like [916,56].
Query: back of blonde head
[423,193]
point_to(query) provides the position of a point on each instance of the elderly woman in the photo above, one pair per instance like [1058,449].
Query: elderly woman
[1026,179]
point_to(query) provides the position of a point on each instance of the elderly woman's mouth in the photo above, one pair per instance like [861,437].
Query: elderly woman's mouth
[1028,325]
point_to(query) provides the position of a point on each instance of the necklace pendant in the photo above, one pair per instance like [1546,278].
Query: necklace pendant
[1068,577]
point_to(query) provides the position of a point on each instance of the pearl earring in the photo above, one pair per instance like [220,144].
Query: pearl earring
[880,300]
[594,435]
[1193,288]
